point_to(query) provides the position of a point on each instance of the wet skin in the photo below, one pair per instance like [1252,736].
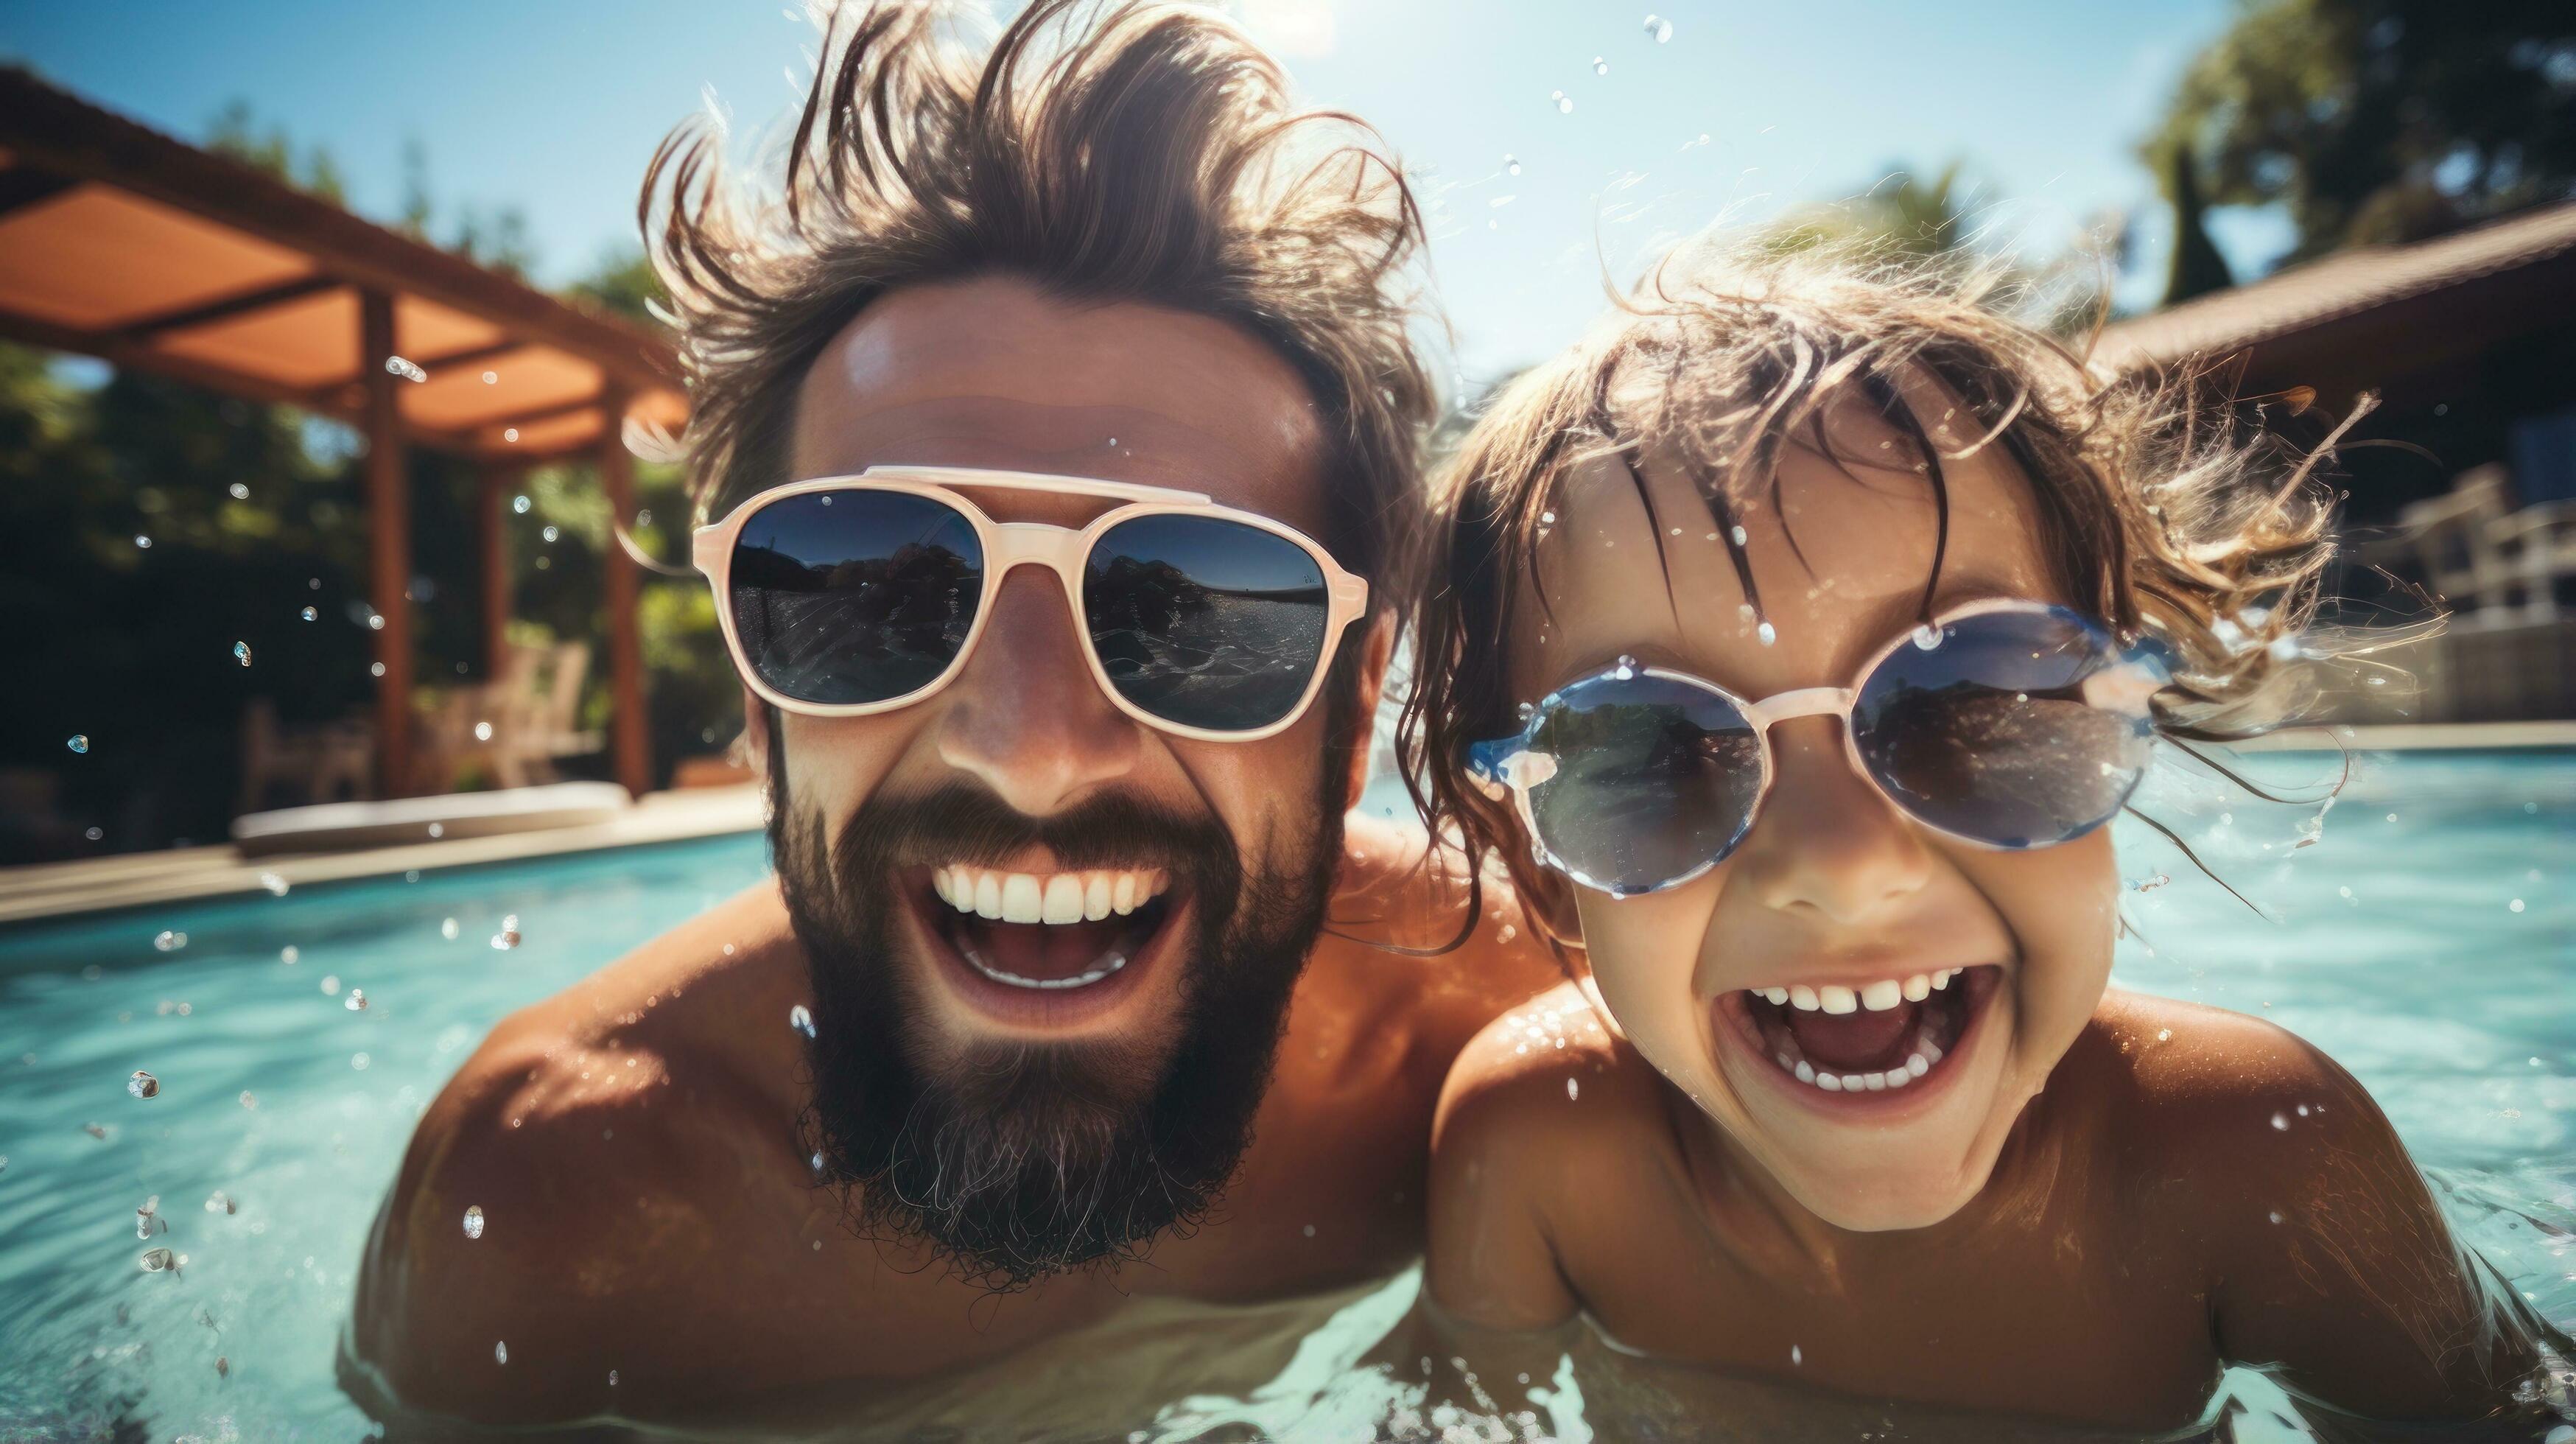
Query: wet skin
[2082,1210]
[632,1141]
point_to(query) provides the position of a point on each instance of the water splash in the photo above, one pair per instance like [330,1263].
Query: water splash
[241,653]
[519,504]
[474,1220]
[405,369]
[169,941]
[357,1002]
[1927,636]
[508,937]
[1600,66]
[309,614]
[79,743]
[801,1020]
[1659,29]
[1511,166]
[1626,668]
[1564,103]
[1769,635]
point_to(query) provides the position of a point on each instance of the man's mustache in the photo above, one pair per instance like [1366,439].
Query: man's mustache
[962,823]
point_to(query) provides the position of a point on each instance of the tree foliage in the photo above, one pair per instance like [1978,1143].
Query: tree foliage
[2382,120]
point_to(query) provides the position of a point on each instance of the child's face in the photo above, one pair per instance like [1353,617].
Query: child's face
[1833,887]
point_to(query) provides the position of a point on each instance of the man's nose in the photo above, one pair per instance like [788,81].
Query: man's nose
[1827,841]
[1027,717]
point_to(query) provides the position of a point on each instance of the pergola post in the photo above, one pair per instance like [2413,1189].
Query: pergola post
[629,746]
[388,544]
[491,538]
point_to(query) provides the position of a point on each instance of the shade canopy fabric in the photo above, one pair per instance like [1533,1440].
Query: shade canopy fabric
[120,242]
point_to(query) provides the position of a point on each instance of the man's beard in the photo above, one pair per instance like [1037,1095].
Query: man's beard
[1016,1161]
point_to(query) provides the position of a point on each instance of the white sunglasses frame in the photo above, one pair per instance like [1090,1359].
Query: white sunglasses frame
[1510,764]
[1009,545]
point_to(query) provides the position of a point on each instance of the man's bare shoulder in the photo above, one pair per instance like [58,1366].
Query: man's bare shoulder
[1411,917]
[576,1171]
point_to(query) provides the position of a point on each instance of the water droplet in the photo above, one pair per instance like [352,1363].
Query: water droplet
[375,621]
[1927,636]
[508,937]
[491,378]
[2164,1035]
[221,1202]
[239,492]
[309,614]
[79,743]
[143,1085]
[248,1099]
[509,433]
[501,1352]
[1511,165]
[404,369]
[1737,533]
[1600,66]
[93,833]
[357,1000]
[330,985]
[1573,1089]
[143,542]
[359,1061]
[2515,905]
[2275,1215]
[448,929]
[159,1260]
[474,1220]
[2150,884]
[519,504]
[276,885]
[2377,681]
[801,1020]
[1796,1356]
[1769,634]
[1658,29]
[169,942]
[1626,668]
[2281,1122]
[241,653]
[550,534]
[612,1378]
[1564,103]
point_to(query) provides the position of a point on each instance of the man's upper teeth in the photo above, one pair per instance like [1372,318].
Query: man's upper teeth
[1877,997]
[1063,897]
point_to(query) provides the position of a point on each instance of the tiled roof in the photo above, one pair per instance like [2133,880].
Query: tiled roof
[2340,285]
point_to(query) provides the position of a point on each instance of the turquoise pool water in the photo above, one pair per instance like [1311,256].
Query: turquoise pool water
[2431,953]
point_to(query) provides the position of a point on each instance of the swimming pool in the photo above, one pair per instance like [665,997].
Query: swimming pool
[2426,939]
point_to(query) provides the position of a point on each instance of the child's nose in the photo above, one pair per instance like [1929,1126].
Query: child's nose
[1826,840]
[1027,717]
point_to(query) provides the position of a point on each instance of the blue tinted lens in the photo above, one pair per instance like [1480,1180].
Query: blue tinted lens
[843,597]
[2016,728]
[1205,622]
[1654,779]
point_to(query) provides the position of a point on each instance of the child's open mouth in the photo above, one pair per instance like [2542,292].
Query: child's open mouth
[1039,946]
[1885,1035]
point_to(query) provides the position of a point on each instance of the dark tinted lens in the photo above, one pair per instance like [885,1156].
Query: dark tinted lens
[1653,779]
[854,596]
[1989,732]
[1205,622]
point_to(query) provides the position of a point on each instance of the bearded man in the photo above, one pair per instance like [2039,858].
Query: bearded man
[1053,426]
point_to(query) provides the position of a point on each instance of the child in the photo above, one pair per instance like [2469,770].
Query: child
[1790,641]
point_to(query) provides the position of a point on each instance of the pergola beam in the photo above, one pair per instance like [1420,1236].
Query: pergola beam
[388,548]
[224,308]
[630,748]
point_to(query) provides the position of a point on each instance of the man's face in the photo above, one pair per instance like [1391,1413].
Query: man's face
[1030,1096]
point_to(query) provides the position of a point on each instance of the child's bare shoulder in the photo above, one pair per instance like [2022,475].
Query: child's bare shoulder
[1542,1082]
[2249,1113]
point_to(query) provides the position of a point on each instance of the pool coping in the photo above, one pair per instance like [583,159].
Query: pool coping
[105,884]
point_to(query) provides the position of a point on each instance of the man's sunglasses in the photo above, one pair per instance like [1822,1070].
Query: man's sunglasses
[2005,724]
[847,595]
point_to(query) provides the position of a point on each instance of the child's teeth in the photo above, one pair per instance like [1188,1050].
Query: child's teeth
[1777,997]
[1882,995]
[1806,1071]
[1917,988]
[1803,998]
[1836,998]
[1942,978]
[1916,1065]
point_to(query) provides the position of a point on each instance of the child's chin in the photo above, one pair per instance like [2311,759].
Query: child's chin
[1880,1199]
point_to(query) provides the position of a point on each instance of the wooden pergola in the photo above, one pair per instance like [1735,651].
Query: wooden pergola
[122,243]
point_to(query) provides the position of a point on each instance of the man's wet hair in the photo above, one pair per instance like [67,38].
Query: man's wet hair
[1105,152]
[2161,505]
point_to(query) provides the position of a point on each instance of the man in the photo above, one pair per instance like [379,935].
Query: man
[1055,935]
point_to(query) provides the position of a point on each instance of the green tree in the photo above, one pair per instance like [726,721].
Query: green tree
[1908,211]
[2195,268]
[2382,120]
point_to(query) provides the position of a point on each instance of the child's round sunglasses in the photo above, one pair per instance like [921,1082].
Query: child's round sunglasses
[2004,724]
[848,595]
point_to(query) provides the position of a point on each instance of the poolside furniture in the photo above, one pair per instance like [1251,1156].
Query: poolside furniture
[2537,546]
[338,826]
[314,762]
[512,729]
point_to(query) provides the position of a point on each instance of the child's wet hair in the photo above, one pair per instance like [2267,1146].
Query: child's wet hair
[2162,507]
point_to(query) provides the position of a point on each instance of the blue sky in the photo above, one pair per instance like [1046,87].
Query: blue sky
[554,108]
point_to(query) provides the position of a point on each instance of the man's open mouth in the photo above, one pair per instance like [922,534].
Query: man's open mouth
[1045,947]
[1886,1035]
